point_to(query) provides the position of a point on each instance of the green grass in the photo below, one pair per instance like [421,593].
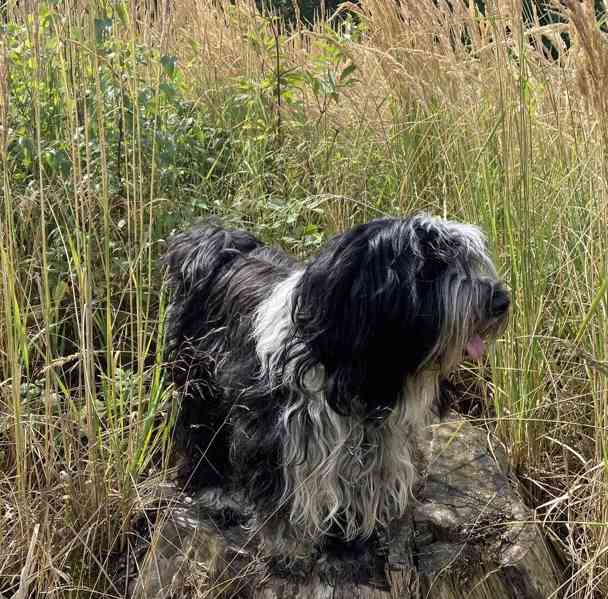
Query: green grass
[115,133]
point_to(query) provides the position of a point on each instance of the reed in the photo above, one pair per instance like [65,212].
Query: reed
[119,125]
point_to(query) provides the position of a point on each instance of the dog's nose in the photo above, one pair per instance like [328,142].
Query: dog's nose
[500,301]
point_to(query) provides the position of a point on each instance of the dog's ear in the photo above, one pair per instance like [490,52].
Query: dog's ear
[446,244]
[366,316]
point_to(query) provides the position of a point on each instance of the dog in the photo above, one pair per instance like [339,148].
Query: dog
[303,386]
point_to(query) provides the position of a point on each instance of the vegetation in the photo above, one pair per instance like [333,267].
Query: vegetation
[118,126]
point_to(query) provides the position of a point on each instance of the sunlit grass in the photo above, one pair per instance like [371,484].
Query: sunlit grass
[116,129]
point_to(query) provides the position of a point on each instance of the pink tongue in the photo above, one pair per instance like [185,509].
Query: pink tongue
[475,348]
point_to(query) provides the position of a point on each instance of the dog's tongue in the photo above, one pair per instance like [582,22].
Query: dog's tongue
[475,348]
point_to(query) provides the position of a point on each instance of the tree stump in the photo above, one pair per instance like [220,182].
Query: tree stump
[468,535]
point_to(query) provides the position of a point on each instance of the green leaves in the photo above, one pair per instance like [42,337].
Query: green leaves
[169,64]
[117,90]
[283,85]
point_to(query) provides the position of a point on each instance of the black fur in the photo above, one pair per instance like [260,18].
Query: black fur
[367,310]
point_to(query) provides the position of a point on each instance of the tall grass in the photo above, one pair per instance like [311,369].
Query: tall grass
[118,128]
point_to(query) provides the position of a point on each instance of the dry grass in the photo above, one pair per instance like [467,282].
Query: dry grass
[445,110]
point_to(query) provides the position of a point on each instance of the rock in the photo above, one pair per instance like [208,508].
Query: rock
[468,535]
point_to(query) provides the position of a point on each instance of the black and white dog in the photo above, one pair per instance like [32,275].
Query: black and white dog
[303,385]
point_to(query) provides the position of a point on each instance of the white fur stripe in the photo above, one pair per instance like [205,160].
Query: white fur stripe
[273,324]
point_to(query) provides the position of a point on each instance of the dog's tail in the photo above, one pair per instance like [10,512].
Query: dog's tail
[195,262]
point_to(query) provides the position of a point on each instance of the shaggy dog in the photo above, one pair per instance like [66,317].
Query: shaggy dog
[303,385]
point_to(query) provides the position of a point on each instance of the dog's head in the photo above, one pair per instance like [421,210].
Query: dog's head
[394,299]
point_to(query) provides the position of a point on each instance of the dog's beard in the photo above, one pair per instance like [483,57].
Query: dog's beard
[344,473]
[464,327]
